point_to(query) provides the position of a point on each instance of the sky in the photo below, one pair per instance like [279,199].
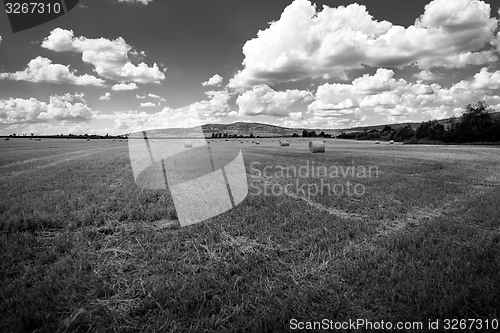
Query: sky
[121,66]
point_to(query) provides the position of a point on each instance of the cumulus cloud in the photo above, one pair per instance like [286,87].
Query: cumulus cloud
[68,108]
[426,75]
[459,60]
[104,97]
[203,112]
[42,69]
[157,97]
[18,110]
[62,108]
[124,86]
[396,99]
[133,121]
[263,100]
[148,105]
[484,80]
[216,106]
[304,43]
[341,99]
[110,58]
[139,96]
[215,80]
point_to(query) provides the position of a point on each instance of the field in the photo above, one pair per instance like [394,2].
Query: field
[84,249]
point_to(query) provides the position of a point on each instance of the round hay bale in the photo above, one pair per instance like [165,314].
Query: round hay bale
[317,146]
[188,144]
[284,143]
[391,142]
[377,142]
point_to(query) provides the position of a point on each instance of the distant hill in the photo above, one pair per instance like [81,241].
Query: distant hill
[414,125]
[265,130]
[258,129]
[238,128]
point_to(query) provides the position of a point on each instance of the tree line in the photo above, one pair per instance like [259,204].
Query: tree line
[476,124]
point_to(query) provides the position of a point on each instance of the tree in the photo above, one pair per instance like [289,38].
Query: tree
[475,120]
[387,133]
[475,124]
[403,133]
[431,129]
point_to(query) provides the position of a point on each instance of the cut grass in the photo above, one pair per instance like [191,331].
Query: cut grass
[82,249]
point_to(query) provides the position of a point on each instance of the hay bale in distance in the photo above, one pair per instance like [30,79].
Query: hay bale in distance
[391,142]
[377,142]
[284,143]
[317,146]
[188,144]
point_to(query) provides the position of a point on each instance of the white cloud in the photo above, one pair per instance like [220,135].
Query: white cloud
[18,110]
[262,100]
[62,108]
[381,81]
[215,80]
[216,106]
[157,97]
[304,44]
[395,99]
[426,75]
[139,96]
[148,105]
[134,121]
[104,97]
[109,57]
[459,60]
[295,115]
[42,69]
[484,80]
[124,86]
[68,108]
[202,112]
[496,41]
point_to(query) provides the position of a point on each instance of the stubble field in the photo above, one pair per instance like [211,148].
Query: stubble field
[83,248]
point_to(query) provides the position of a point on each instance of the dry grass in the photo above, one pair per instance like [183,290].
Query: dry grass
[83,249]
